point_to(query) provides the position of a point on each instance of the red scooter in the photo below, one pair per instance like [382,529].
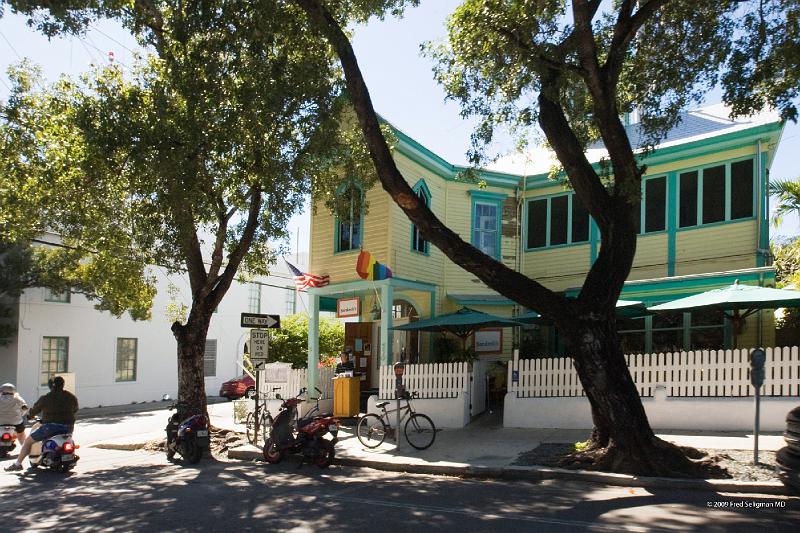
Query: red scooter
[307,439]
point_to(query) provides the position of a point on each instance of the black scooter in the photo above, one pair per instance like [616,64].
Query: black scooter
[187,434]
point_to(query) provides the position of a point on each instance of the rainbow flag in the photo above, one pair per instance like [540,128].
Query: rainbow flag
[368,268]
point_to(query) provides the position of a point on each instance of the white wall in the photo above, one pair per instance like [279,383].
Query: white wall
[713,414]
[445,412]
[92,341]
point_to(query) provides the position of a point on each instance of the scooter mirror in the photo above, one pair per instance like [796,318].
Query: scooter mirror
[165,398]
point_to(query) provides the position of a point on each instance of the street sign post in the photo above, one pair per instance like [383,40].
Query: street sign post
[255,320]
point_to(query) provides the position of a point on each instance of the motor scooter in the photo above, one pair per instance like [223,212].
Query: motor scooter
[56,453]
[187,434]
[308,439]
[8,439]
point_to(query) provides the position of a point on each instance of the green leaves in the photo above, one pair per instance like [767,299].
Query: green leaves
[290,343]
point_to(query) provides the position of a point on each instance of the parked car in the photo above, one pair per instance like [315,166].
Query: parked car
[236,388]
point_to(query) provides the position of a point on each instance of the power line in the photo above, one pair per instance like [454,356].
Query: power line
[101,32]
[10,45]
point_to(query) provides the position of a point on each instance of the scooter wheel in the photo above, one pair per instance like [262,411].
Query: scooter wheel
[272,453]
[193,452]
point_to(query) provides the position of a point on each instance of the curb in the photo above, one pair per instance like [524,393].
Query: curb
[542,472]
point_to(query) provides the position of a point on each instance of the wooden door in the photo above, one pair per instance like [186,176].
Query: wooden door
[358,340]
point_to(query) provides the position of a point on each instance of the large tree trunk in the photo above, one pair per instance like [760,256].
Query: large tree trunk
[622,440]
[191,339]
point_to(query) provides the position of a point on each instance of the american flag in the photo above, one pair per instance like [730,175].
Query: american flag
[304,280]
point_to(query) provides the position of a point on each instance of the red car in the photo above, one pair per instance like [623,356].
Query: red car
[238,387]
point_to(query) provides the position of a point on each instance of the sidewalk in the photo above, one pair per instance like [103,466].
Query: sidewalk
[486,450]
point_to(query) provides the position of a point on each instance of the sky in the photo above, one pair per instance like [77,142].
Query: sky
[399,78]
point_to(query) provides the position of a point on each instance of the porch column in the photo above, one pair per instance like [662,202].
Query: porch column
[313,340]
[387,299]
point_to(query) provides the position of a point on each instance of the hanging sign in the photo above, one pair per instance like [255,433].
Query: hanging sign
[488,340]
[347,307]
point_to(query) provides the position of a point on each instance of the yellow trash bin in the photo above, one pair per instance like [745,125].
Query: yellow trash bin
[346,395]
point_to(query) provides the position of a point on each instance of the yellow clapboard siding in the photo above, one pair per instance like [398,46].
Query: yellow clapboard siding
[558,268]
[650,260]
[725,247]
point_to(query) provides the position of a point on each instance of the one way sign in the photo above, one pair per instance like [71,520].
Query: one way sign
[253,320]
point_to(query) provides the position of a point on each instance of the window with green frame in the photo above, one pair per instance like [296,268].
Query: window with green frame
[55,357]
[718,193]
[556,220]
[653,214]
[349,221]
[486,227]
[418,242]
[127,350]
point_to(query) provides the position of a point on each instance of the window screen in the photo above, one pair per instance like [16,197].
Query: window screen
[655,204]
[126,359]
[713,194]
[580,220]
[742,189]
[558,220]
[537,223]
[688,207]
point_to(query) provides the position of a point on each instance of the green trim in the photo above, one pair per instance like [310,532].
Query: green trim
[424,157]
[594,241]
[672,220]
[426,245]
[359,287]
[763,198]
[488,196]
[477,300]
[492,199]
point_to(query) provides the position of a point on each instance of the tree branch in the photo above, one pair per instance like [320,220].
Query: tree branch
[625,29]
[237,255]
[495,274]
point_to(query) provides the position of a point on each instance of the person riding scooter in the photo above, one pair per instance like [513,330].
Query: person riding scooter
[58,408]
[12,410]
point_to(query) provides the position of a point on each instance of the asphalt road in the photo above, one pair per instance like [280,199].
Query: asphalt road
[141,491]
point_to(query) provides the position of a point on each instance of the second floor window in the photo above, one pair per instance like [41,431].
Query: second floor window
[418,242]
[716,194]
[51,295]
[349,221]
[486,228]
[556,220]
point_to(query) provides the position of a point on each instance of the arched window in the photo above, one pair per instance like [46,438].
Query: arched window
[418,243]
[350,219]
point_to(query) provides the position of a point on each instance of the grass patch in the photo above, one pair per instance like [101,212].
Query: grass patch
[580,446]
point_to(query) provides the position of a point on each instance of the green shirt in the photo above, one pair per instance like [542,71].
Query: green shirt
[57,407]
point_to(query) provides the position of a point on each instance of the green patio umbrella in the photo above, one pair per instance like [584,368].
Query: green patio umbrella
[625,309]
[462,323]
[736,301]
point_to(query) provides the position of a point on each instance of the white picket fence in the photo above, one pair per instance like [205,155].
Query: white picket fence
[429,381]
[700,373]
[296,380]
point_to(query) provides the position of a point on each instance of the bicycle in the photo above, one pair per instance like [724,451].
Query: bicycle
[419,430]
[265,421]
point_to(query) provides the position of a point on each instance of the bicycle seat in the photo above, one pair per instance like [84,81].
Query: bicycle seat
[380,405]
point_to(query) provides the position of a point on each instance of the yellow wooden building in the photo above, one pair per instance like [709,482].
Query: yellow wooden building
[703,224]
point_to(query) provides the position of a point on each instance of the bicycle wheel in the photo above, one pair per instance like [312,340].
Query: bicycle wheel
[420,431]
[371,431]
[250,428]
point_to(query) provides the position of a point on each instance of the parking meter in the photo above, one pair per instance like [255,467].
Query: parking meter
[757,373]
[399,389]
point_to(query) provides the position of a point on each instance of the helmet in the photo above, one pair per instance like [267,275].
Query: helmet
[8,388]
[56,383]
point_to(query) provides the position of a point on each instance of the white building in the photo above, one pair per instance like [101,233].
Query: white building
[118,360]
